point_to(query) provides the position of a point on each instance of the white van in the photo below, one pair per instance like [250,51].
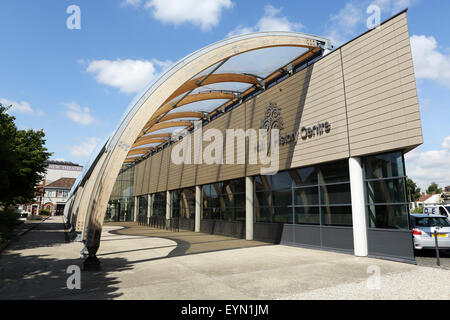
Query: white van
[443,210]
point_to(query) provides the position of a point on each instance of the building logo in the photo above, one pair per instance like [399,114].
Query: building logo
[272,118]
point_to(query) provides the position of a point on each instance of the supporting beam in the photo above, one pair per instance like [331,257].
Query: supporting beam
[136,208]
[168,207]
[249,208]
[359,211]
[198,207]
[149,207]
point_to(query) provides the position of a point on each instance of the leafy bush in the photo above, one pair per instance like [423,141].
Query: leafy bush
[8,220]
[418,210]
[44,212]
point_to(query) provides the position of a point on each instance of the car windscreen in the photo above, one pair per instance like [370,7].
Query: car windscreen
[432,222]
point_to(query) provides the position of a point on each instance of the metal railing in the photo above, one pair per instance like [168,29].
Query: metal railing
[172,224]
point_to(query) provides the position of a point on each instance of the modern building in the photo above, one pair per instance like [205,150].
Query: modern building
[345,119]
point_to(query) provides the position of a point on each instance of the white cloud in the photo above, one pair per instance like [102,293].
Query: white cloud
[20,107]
[429,63]
[425,167]
[271,21]
[446,144]
[132,3]
[78,114]
[84,149]
[205,14]
[394,6]
[129,76]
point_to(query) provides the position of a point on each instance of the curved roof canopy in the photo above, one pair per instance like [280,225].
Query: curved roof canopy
[215,90]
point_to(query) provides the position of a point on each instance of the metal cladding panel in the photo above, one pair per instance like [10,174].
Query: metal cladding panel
[307,235]
[337,238]
[381,94]
[224,228]
[381,244]
[271,232]
[187,224]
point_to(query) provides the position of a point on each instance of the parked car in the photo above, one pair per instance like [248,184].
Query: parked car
[443,210]
[424,226]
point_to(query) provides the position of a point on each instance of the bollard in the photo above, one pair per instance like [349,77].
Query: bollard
[437,249]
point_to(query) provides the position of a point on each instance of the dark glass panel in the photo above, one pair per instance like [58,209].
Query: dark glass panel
[335,194]
[306,196]
[282,198]
[386,191]
[263,214]
[281,180]
[304,176]
[240,214]
[334,172]
[384,166]
[263,199]
[307,215]
[337,216]
[239,200]
[388,216]
[283,215]
[262,183]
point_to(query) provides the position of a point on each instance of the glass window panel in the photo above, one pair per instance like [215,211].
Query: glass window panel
[282,198]
[262,183]
[334,172]
[304,176]
[307,215]
[384,165]
[239,185]
[281,180]
[240,214]
[263,214]
[337,216]
[306,196]
[386,191]
[263,199]
[388,216]
[335,194]
[239,200]
[283,215]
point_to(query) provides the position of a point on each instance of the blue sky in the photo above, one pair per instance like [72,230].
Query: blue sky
[76,84]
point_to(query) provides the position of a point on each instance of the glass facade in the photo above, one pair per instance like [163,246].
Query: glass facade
[387,203]
[183,203]
[224,200]
[159,204]
[316,195]
[143,206]
[121,203]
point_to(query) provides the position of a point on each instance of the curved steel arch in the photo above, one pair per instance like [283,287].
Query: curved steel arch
[105,171]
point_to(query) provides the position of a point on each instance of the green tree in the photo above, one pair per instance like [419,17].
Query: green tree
[434,188]
[23,158]
[413,191]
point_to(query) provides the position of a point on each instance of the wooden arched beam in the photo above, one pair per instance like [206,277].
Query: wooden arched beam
[137,152]
[170,124]
[212,79]
[143,142]
[189,99]
[179,115]
[157,135]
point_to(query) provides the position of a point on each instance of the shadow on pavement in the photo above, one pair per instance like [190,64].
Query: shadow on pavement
[25,273]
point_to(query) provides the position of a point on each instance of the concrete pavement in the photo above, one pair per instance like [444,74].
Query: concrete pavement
[144,267]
